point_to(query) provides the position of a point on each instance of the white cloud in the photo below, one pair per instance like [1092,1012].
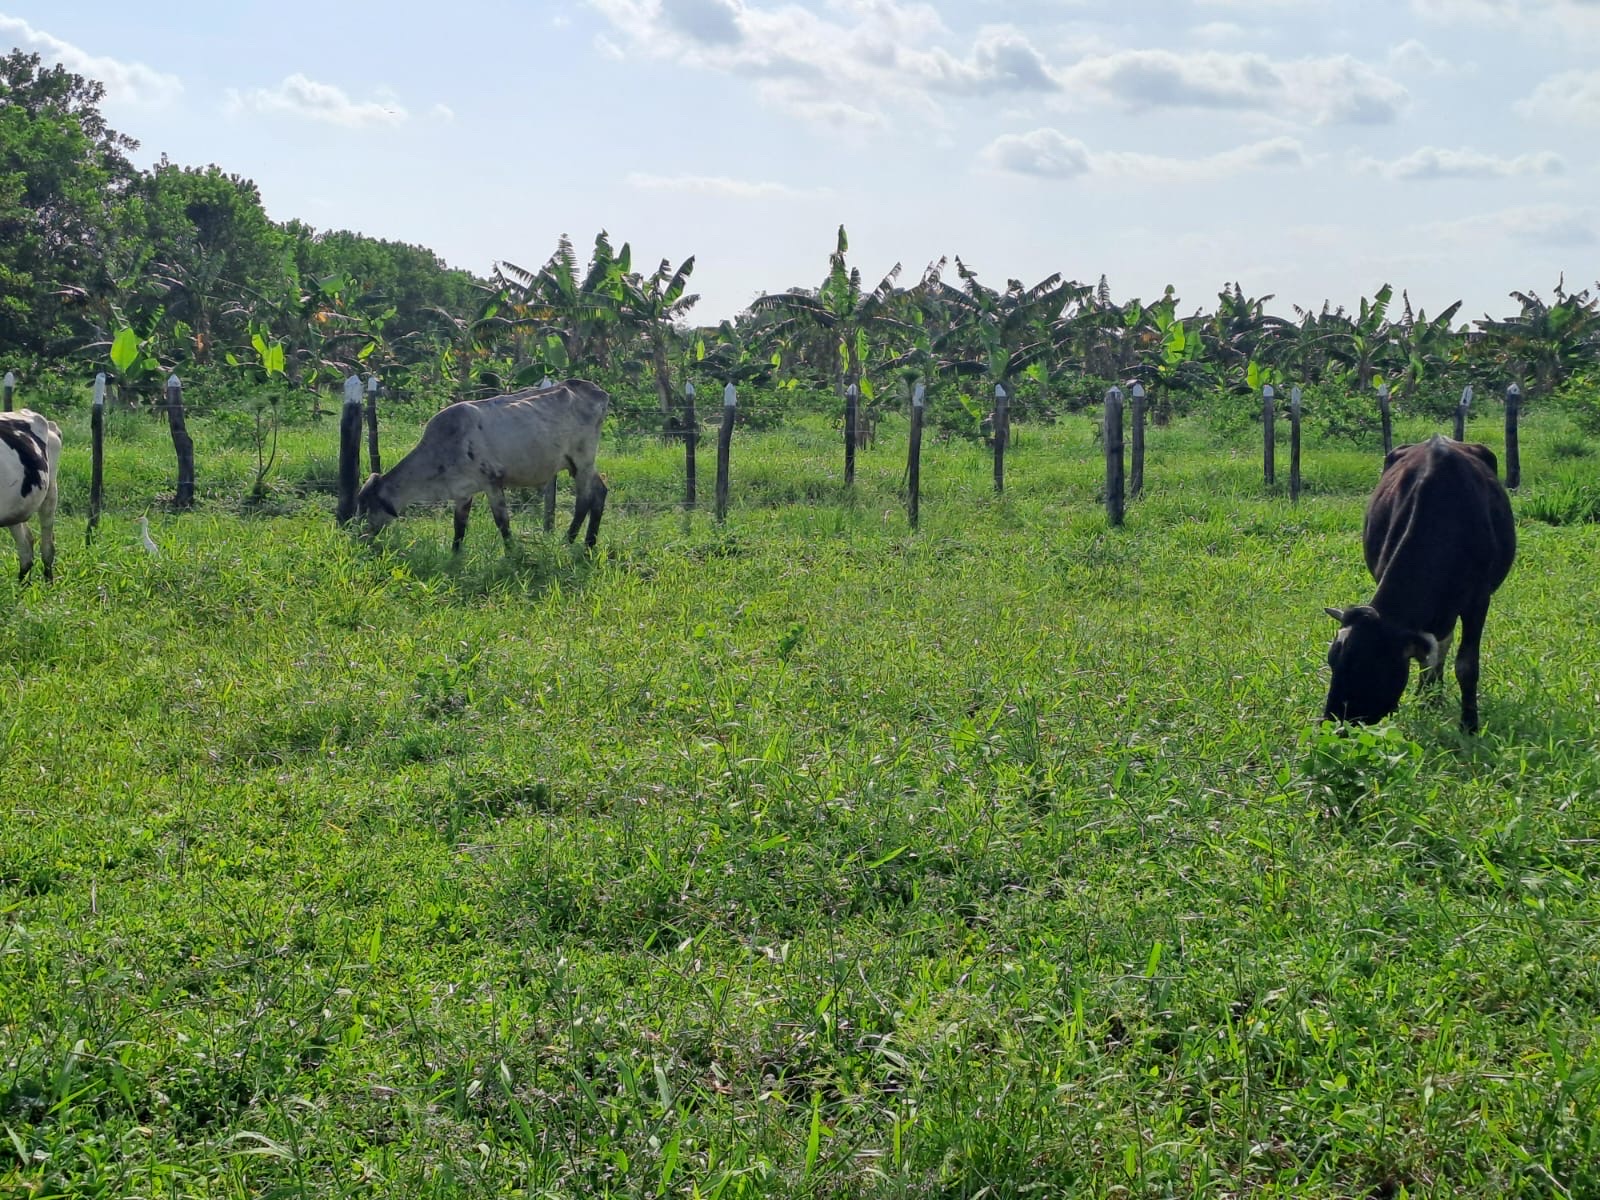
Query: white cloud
[1051,154]
[129,83]
[1411,57]
[720,185]
[1045,153]
[1557,225]
[306,98]
[1331,90]
[1432,162]
[881,54]
[1572,97]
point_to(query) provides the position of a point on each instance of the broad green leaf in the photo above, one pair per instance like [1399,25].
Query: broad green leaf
[124,350]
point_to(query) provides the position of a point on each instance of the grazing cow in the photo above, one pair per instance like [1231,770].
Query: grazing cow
[1439,539]
[522,440]
[30,460]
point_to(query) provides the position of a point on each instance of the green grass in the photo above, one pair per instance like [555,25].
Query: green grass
[804,856]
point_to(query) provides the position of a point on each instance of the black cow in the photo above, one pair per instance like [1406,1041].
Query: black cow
[1439,539]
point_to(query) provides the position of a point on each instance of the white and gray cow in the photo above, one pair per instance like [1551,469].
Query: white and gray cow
[30,460]
[522,440]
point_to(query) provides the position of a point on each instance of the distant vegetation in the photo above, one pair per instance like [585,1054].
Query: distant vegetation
[180,268]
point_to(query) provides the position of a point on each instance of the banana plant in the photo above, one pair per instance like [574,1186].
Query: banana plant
[135,357]
[1366,344]
[841,312]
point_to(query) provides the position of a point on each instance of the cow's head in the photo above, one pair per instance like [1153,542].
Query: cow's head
[374,505]
[1371,660]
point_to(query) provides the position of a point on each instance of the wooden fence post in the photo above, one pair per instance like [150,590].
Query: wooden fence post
[97,437]
[724,444]
[182,444]
[1269,435]
[349,451]
[372,425]
[549,488]
[1136,468]
[1002,435]
[1294,444]
[10,388]
[852,410]
[1513,448]
[914,463]
[691,435]
[1383,411]
[1461,413]
[1113,442]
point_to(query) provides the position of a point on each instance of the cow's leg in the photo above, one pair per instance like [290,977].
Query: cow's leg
[591,503]
[23,536]
[1431,681]
[47,529]
[597,508]
[502,514]
[463,511]
[583,497]
[1467,661]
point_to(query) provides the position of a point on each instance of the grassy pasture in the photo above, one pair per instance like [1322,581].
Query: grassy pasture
[800,857]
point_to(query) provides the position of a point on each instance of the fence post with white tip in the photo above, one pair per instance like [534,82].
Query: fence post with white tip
[1269,435]
[10,388]
[1113,442]
[1136,467]
[1383,413]
[1002,435]
[182,444]
[1461,413]
[1513,448]
[691,436]
[349,450]
[724,446]
[97,437]
[1294,444]
[372,425]
[852,413]
[914,461]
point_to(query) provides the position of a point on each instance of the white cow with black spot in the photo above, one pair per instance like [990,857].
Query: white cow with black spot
[30,460]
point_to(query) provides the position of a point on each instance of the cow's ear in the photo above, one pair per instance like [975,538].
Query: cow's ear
[1393,456]
[1483,454]
[1423,647]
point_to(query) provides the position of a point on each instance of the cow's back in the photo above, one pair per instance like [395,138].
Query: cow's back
[1438,531]
[531,436]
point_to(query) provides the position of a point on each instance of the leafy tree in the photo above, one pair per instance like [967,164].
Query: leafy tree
[652,305]
[1366,344]
[999,335]
[582,308]
[61,170]
[1426,347]
[1545,343]
[1171,362]
[1241,332]
[841,312]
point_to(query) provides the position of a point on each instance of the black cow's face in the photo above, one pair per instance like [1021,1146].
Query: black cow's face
[1371,660]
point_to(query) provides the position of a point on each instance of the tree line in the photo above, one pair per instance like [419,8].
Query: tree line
[106,266]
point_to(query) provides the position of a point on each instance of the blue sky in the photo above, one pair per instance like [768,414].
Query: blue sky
[1302,148]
